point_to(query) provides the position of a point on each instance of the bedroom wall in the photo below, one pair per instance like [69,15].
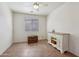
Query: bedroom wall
[5,27]
[20,35]
[66,19]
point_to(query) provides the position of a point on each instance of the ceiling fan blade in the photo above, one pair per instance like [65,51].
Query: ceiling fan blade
[42,4]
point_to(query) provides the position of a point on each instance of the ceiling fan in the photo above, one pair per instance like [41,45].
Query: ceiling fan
[37,5]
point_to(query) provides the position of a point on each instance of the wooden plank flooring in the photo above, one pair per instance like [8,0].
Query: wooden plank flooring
[40,49]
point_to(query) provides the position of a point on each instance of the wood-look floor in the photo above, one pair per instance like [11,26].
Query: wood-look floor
[40,49]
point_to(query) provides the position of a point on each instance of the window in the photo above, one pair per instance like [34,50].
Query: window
[31,25]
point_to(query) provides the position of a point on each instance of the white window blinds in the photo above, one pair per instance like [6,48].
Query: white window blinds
[31,24]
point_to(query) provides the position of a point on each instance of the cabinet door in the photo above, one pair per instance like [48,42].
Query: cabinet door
[59,41]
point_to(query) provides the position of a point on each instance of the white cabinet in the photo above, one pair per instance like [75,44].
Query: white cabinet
[61,41]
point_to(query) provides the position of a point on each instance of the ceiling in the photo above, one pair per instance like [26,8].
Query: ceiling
[27,7]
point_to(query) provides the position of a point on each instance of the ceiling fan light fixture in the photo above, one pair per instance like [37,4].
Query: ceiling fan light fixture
[36,5]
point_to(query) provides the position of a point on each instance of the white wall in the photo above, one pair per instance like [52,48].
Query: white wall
[66,19]
[5,27]
[20,35]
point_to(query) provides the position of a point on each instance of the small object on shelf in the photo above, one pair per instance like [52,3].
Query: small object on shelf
[53,38]
[54,42]
[53,31]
